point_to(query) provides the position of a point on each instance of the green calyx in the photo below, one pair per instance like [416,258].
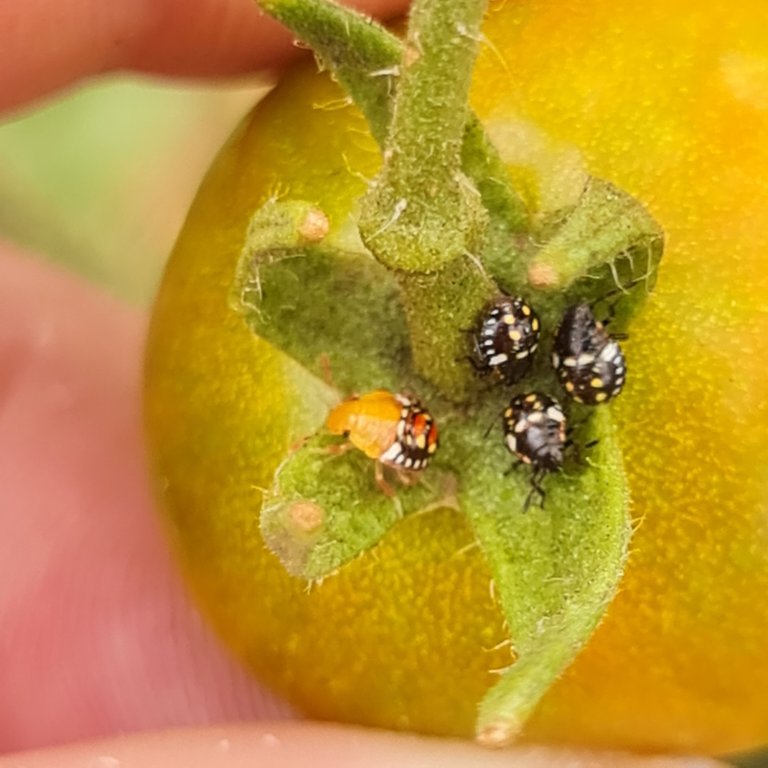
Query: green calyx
[441,232]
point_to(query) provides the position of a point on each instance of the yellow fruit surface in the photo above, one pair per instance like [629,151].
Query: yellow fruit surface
[669,100]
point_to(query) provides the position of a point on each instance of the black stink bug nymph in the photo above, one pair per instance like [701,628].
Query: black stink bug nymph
[534,431]
[505,339]
[588,360]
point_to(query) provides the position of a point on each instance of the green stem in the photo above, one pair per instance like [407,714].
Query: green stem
[422,212]
[423,217]
[365,59]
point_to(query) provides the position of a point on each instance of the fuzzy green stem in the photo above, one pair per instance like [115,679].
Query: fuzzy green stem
[438,344]
[423,217]
[422,212]
[365,59]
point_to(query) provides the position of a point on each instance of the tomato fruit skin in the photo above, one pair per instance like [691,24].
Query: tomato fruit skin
[223,408]
[669,102]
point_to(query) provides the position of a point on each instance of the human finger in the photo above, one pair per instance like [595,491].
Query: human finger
[96,633]
[300,745]
[48,45]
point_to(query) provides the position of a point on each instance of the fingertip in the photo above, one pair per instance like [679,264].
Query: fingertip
[48,45]
[219,37]
[300,745]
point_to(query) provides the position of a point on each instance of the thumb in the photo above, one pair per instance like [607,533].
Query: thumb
[297,745]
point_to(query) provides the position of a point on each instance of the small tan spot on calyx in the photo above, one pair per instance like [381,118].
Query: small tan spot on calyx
[542,275]
[305,516]
[314,227]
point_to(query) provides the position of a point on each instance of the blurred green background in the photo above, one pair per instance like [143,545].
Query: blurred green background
[99,179]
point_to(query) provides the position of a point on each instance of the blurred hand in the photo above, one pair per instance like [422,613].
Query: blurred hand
[97,638]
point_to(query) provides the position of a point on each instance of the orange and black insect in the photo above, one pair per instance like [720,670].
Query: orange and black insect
[394,429]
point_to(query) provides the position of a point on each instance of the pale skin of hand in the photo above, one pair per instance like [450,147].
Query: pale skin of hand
[102,656]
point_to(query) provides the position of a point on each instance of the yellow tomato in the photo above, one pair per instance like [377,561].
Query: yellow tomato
[669,100]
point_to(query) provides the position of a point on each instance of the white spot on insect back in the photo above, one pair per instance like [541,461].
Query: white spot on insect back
[610,351]
[555,413]
[393,454]
[498,359]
